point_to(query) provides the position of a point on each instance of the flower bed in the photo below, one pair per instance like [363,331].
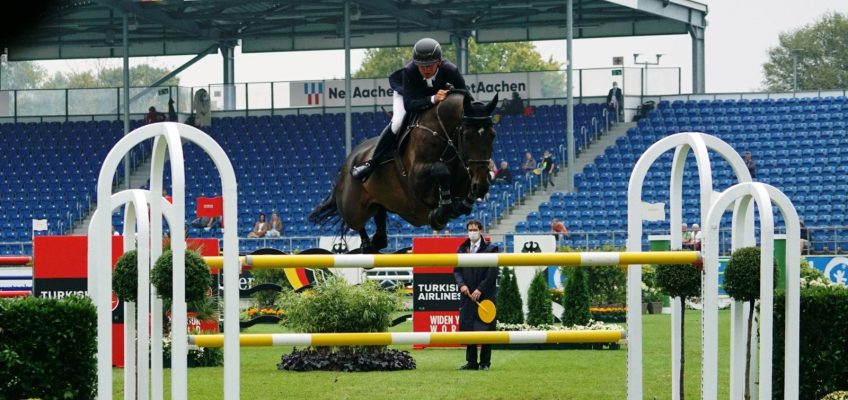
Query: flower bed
[591,326]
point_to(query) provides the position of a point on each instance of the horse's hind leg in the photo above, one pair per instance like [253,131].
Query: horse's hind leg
[380,240]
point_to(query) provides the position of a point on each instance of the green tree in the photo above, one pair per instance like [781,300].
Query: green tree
[110,77]
[821,49]
[21,75]
[539,300]
[482,58]
[575,300]
[509,299]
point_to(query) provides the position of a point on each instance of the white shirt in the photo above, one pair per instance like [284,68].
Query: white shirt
[474,247]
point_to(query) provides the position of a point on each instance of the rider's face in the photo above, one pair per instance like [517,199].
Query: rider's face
[427,71]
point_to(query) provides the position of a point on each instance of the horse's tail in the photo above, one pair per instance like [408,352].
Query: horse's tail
[327,213]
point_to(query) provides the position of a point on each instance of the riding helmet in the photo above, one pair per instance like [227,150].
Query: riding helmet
[427,51]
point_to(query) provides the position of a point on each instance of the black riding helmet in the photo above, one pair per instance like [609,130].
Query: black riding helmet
[427,51]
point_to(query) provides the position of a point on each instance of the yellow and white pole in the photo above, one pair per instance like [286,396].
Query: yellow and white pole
[407,338]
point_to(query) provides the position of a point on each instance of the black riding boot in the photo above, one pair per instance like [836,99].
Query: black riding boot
[384,150]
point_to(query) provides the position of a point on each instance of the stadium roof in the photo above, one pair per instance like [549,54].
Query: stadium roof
[68,29]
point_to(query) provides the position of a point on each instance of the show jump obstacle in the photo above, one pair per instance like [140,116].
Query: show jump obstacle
[141,204]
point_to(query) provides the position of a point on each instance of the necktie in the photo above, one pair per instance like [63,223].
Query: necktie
[473,248]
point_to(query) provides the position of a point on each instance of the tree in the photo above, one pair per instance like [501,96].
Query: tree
[21,75]
[821,49]
[539,301]
[482,58]
[575,300]
[509,299]
[110,77]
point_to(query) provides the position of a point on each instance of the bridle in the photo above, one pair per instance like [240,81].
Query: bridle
[454,150]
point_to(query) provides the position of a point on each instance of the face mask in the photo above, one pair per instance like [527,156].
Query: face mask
[474,235]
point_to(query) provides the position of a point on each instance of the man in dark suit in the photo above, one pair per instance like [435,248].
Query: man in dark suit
[476,284]
[615,101]
[420,85]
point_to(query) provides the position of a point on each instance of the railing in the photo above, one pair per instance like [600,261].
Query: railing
[829,240]
[545,87]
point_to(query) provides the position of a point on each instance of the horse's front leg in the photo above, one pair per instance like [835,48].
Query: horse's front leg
[380,240]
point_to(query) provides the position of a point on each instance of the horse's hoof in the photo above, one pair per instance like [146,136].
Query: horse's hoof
[436,221]
[379,242]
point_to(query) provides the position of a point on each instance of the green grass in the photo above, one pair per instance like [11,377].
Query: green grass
[550,374]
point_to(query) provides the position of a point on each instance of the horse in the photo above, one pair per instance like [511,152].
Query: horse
[439,170]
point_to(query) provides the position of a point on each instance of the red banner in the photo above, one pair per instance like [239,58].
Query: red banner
[210,206]
[435,301]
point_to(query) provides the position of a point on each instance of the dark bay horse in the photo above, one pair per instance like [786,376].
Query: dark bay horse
[435,177]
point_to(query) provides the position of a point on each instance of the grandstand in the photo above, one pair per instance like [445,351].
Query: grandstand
[288,163]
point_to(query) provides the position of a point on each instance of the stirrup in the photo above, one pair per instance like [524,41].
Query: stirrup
[362,171]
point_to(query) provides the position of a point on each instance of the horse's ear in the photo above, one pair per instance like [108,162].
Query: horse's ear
[466,104]
[490,108]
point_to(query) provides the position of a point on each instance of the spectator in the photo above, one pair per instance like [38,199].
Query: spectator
[806,239]
[493,171]
[172,112]
[686,236]
[697,236]
[504,175]
[153,116]
[200,222]
[514,106]
[615,102]
[557,227]
[529,164]
[547,167]
[276,226]
[749,162]
[260,228]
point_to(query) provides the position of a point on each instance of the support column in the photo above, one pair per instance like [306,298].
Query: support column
[228,53]
[126,96]
[348,128]
[569,90]
[698,72]
[461,45]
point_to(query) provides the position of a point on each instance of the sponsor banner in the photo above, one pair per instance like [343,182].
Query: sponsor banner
[437,321]
[368,92]
[435,292]
[436,299]
[834,268]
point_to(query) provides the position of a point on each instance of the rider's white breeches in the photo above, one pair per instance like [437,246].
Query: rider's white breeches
[398,112]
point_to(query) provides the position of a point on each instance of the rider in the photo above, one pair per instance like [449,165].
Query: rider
[418,86]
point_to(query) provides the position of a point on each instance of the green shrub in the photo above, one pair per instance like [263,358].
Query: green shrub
[125,276]
[823,342]
[539,300]
[607,285]
[198,279]
[336,306]
[742,275]
[509,299]
[48,348]
[576,299]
